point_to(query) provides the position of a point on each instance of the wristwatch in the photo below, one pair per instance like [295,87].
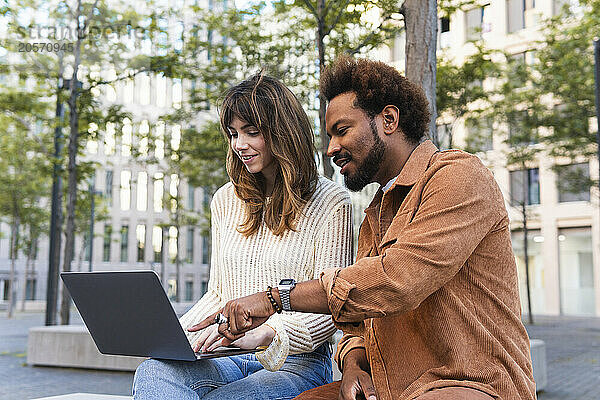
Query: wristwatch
[285,287]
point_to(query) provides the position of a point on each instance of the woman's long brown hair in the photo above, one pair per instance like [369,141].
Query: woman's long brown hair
[272,108]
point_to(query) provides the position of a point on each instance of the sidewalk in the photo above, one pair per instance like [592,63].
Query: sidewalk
[572,351]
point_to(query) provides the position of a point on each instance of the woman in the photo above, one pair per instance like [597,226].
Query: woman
[276,219]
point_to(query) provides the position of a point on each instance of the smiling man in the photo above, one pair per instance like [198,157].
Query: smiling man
[430,309]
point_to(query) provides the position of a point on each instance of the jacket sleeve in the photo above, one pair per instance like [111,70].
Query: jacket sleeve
[459,205]
[212,300]
[304,332]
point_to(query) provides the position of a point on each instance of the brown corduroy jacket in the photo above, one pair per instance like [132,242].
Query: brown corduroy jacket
[433,296]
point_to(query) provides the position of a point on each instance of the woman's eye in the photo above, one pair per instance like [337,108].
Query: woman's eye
[254,133]
[233,135]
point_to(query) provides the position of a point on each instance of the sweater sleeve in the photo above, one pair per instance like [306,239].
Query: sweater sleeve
[212,300]
[304,332]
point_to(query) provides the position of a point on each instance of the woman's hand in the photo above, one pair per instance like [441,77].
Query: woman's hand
[210,339]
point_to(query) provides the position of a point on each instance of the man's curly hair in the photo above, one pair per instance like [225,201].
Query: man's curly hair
[377,85]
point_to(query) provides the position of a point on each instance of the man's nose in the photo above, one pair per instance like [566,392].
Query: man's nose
[333,148]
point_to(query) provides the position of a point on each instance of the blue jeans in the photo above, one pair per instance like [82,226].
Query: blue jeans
[232,378]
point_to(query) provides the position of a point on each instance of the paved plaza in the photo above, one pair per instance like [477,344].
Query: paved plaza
[572,350]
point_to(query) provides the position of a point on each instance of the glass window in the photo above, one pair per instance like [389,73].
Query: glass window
[205,250]
[515,15]
[525,187]
[128,91]
[474,22]
[161,91]
[144,81]
[536,269]
[158,192]
[173,243]
[106,245]
[189,246]
[108,190]
[125,190]
[573,182]
[445,24]
[142,191]
[6,289]
[124,242]
[30,289]
[159,143]
[140,235]
[126,138]
[480,134]
[157,234]
[173,189]
[109,139]
[203,288]
[175,141]
[144,130]
[189,290]
[172,289]
[177,93]
[191,200]
[576,271]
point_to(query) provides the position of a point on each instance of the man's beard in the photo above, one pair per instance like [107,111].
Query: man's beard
[370,166]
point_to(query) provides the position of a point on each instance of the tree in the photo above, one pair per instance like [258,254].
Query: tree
[22,166]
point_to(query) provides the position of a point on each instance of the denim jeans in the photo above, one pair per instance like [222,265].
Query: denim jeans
[232,378]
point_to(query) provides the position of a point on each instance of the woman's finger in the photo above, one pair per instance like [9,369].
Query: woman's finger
[211,340]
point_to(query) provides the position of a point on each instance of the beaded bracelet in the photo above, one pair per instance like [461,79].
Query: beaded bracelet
[276,306]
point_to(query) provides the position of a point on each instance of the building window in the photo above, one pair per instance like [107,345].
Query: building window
[525,187]
[108,190]
[515,14]
[474,23]
[6,289]
[175,141]
[30,287]
[444,132]
[520,131]
[140,235]
[157,234]
[480,135]
[205,251]
[88,246]
[203,288]
[177,93]
[126,138]
[536,269]
[144,131]
[191,200]
[172,289]
[142,191]
[189,290]
[173,233]
[576,271]
[161,91]
[189,246]
[125,190]
[445,24]
[106,245]
[158,192]
[173,190]
[573,182]
[124,243]
[159,142]
[144,88]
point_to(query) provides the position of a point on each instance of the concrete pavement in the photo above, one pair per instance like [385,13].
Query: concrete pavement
[572,351]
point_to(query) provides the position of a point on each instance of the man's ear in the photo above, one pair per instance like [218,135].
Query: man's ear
[389,116]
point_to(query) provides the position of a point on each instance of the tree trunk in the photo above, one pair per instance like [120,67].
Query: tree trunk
[327,168]
[420,18]
[72,169]
[28,262]
[14,250]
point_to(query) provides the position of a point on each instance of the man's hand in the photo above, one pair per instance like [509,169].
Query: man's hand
[356,380]
[243,314]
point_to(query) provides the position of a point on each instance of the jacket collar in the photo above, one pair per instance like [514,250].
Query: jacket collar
[413,169]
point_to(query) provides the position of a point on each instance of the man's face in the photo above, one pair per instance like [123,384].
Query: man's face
[354,143]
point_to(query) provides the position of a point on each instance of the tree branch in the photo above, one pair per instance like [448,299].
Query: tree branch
[311,8]
[337,18]
[370,36]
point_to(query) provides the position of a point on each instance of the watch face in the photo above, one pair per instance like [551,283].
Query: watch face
[286,282]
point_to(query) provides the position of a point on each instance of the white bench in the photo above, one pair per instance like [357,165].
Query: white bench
[85,396]
[72,346]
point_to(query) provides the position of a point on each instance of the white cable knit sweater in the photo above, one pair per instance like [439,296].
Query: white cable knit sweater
[241,266]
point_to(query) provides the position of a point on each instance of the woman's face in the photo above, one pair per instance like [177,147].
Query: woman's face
[249,145]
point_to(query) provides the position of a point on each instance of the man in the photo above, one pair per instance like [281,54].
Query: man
[430,309]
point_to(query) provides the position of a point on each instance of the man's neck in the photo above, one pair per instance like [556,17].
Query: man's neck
[395,159]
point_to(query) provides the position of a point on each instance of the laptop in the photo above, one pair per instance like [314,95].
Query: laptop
[128,313]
